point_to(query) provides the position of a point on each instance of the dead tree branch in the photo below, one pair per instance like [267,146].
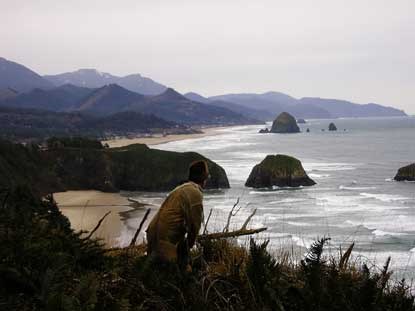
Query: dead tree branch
[98,225]
[207,221]
[139,227]
[231,213]
[248,220]
[231,234]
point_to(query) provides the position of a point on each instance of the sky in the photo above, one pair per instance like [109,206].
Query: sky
[359,50]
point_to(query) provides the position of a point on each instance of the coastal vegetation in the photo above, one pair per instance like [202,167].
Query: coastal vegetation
[45,265]
[81,163]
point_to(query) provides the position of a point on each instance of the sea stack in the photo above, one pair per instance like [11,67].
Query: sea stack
[332,127]
[406,173]
[285,123]
[278,170]
[264,131]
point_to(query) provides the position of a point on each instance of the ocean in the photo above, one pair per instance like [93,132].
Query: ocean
[355,199]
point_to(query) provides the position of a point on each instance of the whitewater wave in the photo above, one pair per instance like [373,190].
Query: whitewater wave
[378,232]
[314,166]
[341,187]
[313,175]
[384,197]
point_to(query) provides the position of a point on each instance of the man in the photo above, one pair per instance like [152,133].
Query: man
[173,230]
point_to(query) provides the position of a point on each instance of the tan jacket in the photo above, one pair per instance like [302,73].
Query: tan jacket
[180,214]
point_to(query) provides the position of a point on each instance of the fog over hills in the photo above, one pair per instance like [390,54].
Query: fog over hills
[93,78]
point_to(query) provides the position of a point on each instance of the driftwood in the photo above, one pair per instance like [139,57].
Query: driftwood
[139,227]
[98,225]
[230,234]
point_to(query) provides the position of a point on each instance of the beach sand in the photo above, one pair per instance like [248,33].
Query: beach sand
[85,208]
[156,140]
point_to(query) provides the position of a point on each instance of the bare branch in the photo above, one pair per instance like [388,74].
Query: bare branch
[139,227]
[232,234]
[98,225]
[207,221]
[248,220]
[226,228]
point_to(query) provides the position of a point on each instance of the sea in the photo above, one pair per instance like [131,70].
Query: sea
[355,199]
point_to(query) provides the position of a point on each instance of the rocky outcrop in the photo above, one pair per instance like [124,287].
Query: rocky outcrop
[285,123]
[406,173]
[278,170]
[301,121]
[79,164]
[264,131]
[137,167]
[332,127]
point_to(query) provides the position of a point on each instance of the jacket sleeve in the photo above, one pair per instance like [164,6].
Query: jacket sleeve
[194,217]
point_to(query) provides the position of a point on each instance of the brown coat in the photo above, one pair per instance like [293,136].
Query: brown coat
[180,214]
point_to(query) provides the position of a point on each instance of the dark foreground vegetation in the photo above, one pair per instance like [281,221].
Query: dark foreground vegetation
[45,265]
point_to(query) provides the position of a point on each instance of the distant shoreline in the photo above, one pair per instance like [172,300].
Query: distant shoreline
[159,139]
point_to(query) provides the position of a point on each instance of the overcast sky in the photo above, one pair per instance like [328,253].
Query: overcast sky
[360,50]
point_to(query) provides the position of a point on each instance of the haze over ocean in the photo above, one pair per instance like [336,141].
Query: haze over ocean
[355,199]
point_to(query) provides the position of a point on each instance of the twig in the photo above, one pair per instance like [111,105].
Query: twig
[139,227]
[98,225]
[207,221]
[226,228]
[248,220]
[231,234]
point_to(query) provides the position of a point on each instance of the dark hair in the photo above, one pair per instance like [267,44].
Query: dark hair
[198,171]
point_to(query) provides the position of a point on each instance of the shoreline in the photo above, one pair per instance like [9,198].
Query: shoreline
[159,139]
[84,209]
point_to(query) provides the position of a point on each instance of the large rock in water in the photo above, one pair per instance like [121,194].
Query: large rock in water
[406,173]
[278,170]
[332,127]
[285,123]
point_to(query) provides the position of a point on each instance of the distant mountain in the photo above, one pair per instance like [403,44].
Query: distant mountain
[170,106]
[8,94]
[63,98]
[173,106]
[308,108]
[243,110]
[20,78]
[108,100]
[343,109]
[92,78]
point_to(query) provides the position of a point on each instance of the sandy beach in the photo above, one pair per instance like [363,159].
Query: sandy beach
[86,207]
[159,139]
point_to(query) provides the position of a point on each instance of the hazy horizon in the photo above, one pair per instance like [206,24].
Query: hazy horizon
[354,50]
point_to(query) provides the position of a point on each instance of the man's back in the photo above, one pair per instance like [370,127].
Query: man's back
[180,213]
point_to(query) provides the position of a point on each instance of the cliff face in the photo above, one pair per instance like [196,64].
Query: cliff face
[278,170]
[285,123]
[406,173]
[81,164]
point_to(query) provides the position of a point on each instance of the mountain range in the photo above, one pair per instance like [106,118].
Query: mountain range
[92,78]
[100,94]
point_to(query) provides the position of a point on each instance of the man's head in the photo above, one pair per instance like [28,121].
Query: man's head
[199,172]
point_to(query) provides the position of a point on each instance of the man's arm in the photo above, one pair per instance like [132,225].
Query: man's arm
[194,221]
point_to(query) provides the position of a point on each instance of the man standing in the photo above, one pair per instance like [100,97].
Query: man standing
[173,230]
